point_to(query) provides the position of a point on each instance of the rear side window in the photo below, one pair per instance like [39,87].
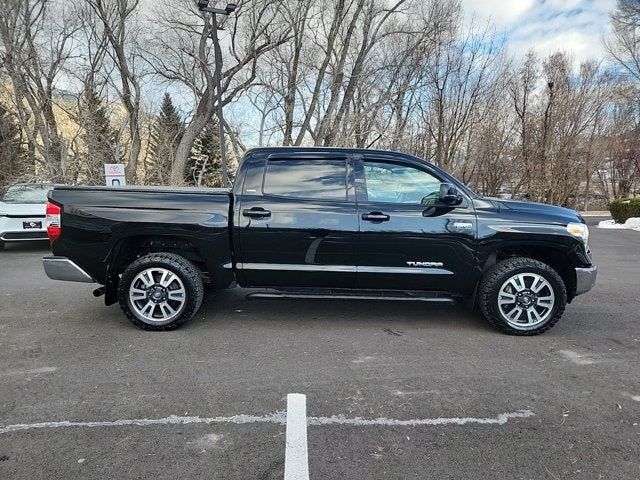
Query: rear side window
[314,179]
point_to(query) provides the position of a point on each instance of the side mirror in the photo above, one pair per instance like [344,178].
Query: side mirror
[449,194]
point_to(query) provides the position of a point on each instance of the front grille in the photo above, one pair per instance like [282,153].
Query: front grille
[24,236]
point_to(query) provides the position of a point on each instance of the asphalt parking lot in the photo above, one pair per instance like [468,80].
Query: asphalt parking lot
[393,390]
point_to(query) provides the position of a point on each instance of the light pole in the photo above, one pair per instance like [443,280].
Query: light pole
[203,5]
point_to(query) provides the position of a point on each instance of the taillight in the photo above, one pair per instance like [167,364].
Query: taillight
[54,228]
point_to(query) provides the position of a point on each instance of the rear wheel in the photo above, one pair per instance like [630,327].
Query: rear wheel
[160,291]
[522,296]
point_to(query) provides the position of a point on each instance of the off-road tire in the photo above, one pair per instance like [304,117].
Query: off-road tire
[178,265]
[493,280]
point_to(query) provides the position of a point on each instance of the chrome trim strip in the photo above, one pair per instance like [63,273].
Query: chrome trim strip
[342,268]
[61,268]
[585,279]
[25,239]
[403,270]
[296,267]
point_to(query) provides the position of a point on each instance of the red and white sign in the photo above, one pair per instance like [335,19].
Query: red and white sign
[114,174]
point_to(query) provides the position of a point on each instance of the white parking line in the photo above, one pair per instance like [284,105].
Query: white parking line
[32,371]
[296,461]
[278,418]
[501,419]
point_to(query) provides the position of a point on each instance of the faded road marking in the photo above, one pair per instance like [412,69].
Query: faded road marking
[577,358]
[208,442]
[33,371]
[635,398]
[278,418]
[501,419]
[296,460]
[363,360]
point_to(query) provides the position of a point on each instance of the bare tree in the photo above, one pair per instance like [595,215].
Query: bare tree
[36,41]
[183,56]
[117,19]
[623,45]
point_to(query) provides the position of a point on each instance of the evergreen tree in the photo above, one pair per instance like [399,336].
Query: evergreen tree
[165,137]
[13,158]
[204,166]
[98,137]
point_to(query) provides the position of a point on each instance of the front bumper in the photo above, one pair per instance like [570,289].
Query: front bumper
[585,279]
[61,268]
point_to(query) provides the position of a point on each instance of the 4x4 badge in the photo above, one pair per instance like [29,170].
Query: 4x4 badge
[463,225]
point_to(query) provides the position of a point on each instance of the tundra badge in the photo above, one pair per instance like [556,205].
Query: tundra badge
[426,264]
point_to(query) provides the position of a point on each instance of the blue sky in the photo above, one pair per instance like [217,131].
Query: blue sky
[576,26]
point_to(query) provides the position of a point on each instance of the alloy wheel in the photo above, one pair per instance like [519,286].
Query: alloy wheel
[526,300]
[157,295]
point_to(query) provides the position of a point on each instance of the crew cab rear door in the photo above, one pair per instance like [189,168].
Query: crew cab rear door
[296,222]
[408,241]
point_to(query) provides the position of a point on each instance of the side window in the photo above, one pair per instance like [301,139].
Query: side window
[313,179]
[391,183]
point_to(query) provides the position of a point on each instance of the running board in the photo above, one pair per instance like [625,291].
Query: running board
[435,297]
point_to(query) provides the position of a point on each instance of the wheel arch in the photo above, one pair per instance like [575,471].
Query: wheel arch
[556,258]
[128,249]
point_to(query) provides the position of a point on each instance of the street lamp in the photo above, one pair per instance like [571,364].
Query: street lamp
[203,5]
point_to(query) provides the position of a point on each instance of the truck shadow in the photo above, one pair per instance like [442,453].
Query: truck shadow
[231,305]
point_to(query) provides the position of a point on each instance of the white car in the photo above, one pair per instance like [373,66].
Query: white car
[23,213]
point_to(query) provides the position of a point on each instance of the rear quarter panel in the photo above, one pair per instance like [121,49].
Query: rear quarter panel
[96,221]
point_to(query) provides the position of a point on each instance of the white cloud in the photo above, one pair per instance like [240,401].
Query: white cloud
[499,12]
[579,44]
[546,26]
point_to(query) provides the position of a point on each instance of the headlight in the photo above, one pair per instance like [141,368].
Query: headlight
[579,230]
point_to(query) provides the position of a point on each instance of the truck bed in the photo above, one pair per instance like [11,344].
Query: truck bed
[99,221]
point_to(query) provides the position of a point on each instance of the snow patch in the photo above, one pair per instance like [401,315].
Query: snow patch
[631,224]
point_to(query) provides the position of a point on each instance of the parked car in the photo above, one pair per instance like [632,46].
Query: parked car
[22,213]
[322,223]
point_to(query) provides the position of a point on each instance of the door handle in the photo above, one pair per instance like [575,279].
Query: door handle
[376,217]
[256,212]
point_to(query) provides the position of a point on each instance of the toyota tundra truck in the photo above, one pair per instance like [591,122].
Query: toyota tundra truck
[321,223]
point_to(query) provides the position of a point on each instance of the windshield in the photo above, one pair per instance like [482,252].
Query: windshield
[26,194]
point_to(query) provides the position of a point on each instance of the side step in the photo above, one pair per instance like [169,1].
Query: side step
[341,294]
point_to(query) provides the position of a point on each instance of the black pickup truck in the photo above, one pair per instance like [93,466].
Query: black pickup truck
[317,223]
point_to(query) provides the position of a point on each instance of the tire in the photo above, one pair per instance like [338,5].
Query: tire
[510,285]
[158,301]
[1,245]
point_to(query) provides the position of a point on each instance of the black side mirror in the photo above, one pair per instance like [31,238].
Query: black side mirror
[449,194]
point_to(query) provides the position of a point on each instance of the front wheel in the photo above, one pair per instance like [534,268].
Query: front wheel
[160,291]
[522,296]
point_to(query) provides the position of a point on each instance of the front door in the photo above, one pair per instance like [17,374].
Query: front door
[408,240]
[297,223]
